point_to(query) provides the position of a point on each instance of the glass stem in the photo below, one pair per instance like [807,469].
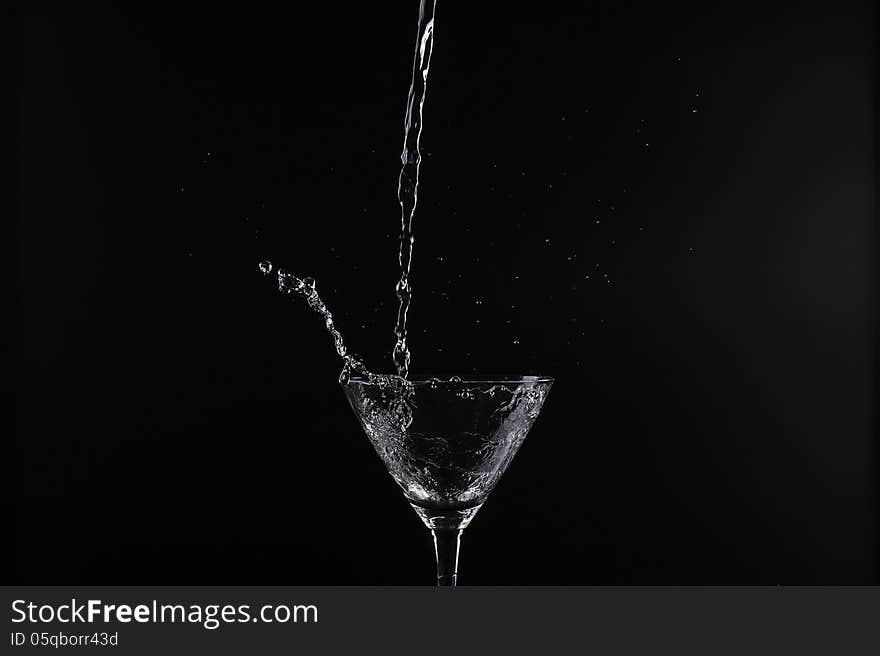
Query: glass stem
[446,543]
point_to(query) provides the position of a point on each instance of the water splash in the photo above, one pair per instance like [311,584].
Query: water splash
[290,284]
[407,195]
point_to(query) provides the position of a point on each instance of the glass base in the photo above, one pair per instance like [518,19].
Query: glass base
[446,520]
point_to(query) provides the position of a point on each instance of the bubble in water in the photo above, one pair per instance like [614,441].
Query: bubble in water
[309,282]
[455,379]
[265,267]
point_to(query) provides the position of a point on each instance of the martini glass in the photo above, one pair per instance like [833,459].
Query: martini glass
[446,444]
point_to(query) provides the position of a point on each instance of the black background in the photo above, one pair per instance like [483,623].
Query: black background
[668,208]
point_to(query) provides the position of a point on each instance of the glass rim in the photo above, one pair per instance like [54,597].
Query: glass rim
[499,380]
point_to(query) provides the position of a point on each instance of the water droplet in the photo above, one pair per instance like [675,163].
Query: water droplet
[455,379]
[265,267]
[516,341]
[309,282]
